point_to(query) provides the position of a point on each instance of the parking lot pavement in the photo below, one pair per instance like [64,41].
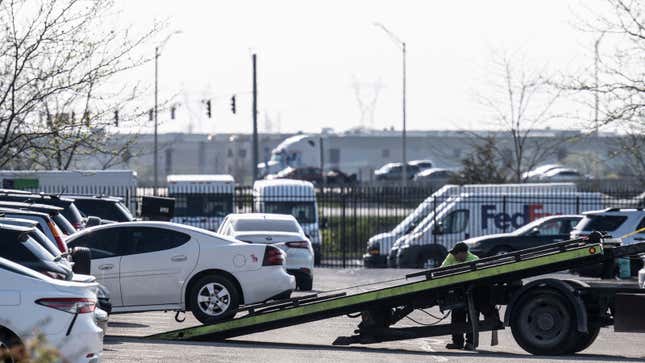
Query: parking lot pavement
[312,341]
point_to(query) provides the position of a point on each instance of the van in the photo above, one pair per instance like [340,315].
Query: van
[379,246]
[295,197]
[478,214]
[201,200]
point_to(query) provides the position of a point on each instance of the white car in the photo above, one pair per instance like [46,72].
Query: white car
[150,266]
[280,230]
[617,222]
[63,311]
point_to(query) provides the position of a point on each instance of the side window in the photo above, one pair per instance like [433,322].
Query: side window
[456,222]
[550,228]
[149,239]
[103,243]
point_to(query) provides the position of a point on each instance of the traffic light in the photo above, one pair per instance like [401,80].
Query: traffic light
[208,108]
[233,104]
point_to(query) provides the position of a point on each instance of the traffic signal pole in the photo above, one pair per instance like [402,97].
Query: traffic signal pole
[255,120]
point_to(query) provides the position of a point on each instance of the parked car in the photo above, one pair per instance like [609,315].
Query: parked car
[562,175]
[535,173]
[280,230]
[392,172]
[539,232]
[19,246]
[54,212]
[45,224]
[63,311]
[151,266]
[311,174]
[104,207]
[421,164]
[616,222]
[69,210]
[436,177]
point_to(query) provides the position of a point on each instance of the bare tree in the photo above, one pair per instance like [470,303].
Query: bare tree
[520,103]
[58,60]
[483,164]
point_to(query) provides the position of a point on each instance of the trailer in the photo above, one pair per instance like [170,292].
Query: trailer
[547,316]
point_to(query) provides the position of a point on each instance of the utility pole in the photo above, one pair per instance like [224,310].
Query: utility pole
[404,161]
[255,120]
[595,94]
[156,147]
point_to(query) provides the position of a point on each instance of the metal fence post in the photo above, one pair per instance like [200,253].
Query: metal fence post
[343,226]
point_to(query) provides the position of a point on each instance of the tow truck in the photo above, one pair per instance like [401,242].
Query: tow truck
[547,315]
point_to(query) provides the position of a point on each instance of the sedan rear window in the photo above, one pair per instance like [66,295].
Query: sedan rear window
[249,225]
[602,223]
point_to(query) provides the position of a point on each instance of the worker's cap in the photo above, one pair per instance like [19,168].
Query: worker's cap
[459,247]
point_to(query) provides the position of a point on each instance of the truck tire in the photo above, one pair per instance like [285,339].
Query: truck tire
[543,322]
[584,340]
[213,298]
[82,257]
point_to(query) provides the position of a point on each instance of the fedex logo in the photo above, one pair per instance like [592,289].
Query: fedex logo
[503,220]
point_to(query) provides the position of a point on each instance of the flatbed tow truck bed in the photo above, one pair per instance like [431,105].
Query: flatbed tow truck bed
[546,315]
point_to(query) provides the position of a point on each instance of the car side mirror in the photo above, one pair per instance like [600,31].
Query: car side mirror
[534,231]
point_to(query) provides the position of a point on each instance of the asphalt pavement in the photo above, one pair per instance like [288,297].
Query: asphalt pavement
[312,341]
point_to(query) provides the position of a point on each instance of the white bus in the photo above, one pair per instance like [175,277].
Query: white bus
[201,200]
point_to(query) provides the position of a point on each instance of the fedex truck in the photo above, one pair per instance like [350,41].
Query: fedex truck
[478,214]
[379,246]
[201,200]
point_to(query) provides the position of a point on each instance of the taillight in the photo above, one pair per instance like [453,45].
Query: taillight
[58,236]
[272,256]
[72,305]
[298,244]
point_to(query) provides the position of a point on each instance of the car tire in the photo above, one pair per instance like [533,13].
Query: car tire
[213,298]
[8,343]
[584,340]
[428,261]
[305,283]
[82,257]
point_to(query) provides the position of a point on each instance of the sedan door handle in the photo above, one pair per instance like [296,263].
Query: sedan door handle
[108,266]
[179,258]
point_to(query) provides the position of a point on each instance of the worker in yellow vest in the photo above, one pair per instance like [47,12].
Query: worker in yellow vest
[460,254]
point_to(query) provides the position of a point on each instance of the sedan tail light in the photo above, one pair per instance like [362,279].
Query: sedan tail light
[273,256]
[58,236]
[72,305]
[298,244]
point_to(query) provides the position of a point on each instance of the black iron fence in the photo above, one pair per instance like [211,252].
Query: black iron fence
[345,218]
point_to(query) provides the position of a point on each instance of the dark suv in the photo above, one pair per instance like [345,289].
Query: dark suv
[109,208]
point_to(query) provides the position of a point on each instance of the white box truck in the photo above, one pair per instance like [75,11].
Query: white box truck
[295,197]
[476,214]
[379,246]
[201,200]
[117,183]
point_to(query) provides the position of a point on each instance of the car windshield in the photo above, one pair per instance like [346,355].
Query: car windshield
[250,225]
[203,205]
[602,223]
[305,212]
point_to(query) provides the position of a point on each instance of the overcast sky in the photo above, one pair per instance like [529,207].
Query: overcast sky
[312,54]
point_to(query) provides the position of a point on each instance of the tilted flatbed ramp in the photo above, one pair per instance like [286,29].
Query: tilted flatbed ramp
[510,267]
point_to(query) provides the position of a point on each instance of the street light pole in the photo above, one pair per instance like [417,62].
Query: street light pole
[404,156]
[156,151]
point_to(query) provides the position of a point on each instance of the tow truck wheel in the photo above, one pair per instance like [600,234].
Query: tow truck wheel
[543,323]
[213,299]
[584,340]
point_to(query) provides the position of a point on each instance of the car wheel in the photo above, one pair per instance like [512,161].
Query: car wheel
[306,283]
[213,299]
[428,261]
[8,343]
